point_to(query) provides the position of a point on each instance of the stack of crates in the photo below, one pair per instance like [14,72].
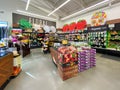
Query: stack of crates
[92,57]
[86,59]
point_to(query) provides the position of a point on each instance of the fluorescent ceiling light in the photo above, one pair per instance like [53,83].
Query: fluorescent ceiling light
[27,5]
[58,7]
[43,9]
[86,9]
[35,15]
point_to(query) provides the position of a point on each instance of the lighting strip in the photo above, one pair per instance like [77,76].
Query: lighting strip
[30,75]
[36,15]
[93,6]
[27,5]
[58,7]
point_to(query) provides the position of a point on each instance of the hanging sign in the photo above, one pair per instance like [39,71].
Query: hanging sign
[72,26]
[16,30]
[81,25]
[65,28]
[98,18]
[98,28]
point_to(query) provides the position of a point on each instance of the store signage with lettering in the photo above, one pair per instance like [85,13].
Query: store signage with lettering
[37,21]
[105,27]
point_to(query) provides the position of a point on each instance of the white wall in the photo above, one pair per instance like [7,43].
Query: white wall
[13,5]
[112,13]
[9,6]
[6,16]
[59,23]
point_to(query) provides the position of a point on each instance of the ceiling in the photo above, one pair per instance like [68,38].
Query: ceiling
[44,7]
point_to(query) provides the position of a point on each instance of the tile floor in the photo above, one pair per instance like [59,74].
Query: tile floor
[39,73]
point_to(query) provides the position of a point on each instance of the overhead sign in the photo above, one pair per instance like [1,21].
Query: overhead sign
[100,28]
[98,18]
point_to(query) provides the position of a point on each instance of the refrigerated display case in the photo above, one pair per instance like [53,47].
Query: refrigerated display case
[3,37]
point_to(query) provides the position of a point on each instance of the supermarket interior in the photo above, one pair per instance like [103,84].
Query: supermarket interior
[60,44]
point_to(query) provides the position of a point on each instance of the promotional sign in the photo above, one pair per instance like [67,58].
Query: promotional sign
[98,18]
[65,28]
[98,28]
[16,30]
[81,25]
[72,26]
[32,20]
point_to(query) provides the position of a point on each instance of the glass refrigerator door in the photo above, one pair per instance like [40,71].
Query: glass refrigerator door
[3,33]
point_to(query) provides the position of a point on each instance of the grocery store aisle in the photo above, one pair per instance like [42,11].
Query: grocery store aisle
[39,73]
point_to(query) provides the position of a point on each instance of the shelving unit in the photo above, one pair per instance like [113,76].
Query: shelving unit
[111,38]
[34,38]
[97,36]
[114,39]
[77,36]
[98,39]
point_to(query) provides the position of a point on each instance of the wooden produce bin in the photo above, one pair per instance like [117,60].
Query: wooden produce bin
[25,50]
[54,54]
[68,72]
[6,68]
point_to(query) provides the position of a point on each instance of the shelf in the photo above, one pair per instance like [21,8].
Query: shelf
[89,31]
[41,33]
[17,56]
[115,35]
[114,40]
[27,32]
[108,51]
[112,49]
[77,33]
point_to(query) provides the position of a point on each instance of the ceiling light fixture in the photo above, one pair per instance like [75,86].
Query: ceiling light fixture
[27,5]
[86,9]
[36,15]
[58,7]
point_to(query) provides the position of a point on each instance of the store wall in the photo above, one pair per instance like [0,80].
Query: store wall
[11,7]
[33,20]
[112,12]
[8,8]
[6,16]
[59,23]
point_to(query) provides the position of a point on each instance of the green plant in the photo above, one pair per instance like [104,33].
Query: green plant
[24,24]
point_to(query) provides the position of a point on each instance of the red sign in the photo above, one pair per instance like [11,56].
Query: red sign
[72,26]
[81,25]
[65,28]
[16,30]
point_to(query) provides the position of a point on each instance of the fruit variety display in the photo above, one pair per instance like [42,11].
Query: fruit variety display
[67,66]
[98,18]
[67,54]
[71,60]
